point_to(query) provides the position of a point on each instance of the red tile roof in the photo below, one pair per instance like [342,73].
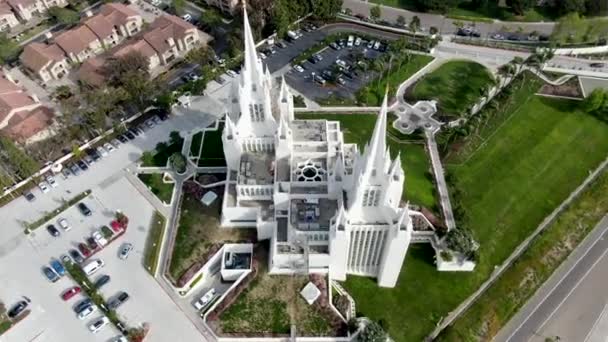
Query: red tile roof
[76,40]
[100,26]
[37,55]
[6,86]
[13,101]
[27,123]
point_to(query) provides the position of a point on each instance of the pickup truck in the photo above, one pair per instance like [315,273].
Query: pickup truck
[58,267]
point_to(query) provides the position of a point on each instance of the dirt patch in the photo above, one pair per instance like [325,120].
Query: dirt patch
[569,89]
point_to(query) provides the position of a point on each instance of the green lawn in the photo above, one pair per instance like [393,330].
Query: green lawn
[418,186]
[574,29]
[373,93]
[195,147]
[525,168]
[456,85]
[213,152]
[162,190]
[153,242]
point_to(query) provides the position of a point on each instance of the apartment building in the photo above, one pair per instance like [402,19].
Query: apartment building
[47,62]
[26,9]
[7,17]
[21,115]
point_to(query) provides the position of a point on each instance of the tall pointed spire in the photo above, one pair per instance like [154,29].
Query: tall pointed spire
[251,58]
[377,146]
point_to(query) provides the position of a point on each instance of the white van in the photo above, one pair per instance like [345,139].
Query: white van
[93,266]
[350,41]
[204,300]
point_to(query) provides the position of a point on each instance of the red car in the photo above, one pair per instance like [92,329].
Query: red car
[71,292]
[86,252]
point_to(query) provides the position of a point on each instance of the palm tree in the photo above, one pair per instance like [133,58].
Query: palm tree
[505,71]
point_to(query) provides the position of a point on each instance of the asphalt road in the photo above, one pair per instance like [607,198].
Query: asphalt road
[445,25]
[572,304]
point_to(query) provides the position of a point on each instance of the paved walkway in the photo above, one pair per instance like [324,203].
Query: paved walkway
[442,187]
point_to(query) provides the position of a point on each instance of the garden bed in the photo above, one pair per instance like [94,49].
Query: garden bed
[154,242]
[571,88]
[162,190]
[212,153]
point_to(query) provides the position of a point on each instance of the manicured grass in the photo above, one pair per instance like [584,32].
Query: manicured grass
[456,85]
[195,147]
[153,242]
[213,150]
[373,93]
[34,225]
[4,326]
[528,164]
[162,190]
[511,291]
[574,29]
[198,230]
[163,151]
[357,128]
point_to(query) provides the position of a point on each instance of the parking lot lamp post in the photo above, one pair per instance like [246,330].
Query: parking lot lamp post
[313,76]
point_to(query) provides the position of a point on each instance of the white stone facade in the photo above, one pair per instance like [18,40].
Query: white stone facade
[325,206]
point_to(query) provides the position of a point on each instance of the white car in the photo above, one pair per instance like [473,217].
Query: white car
[51,181]
[108,147]
[187,17]
[231,73]
[124,251]
[120,339]
[98,324]
[263,55]
[298,68]
[64,224]
[102,151]
[43,187]
[87,312]
[99,238]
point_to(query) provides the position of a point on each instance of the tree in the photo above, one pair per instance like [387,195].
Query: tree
[211,18]
[519,7]
[178,162]
[401,20]
[65,16]
[200,56]
[461,240]
[326,9]
[373,332]
[596,104]
[563,7]
[178,6]
[415,24]
[119,69]
[9,49]
[375,12]
[433,30]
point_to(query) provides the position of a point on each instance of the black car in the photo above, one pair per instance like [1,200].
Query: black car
[134,131]
[118,300]
[334,46]
[92,243]
[75,255]
[74,168]
[82,165]
[84,209]
[130,135]
[17,309]
[94,154]
[122,139]
[85,303]
[29,196]
[312,60]
[53,231]
[101,281]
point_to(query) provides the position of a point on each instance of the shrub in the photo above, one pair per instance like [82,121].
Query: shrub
[106,232]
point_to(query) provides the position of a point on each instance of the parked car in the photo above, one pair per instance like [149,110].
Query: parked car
[93,266]
[63,223]
[75,255]
[51,181]
[43,187]
[71,292]
[115,142]
[204,300]
[341,81]
[108,147]
[94,154]
[187,17]
[281,44]
[101,281]
[98,324]
[130,135]
[102,151]
[101,241]
[74,169]
[50,274]
[334,46]
[125,250]
[65,259]
[298,68]
[18,308]
[122,139]
[89,159]
[318,57]
[84,209]
[52,230]
[92,243]
[84,249]
[87,311]
[82,165]
[58,267]
[231,73]
[66,172]
[29,196]
[118,300]
[82,305]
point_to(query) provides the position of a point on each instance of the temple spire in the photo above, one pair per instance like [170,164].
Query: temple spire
[377,146]
[251,62]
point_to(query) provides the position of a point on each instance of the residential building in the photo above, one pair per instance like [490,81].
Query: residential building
[47,62]
[79,43]
[26,9]
[227,6]
[171,37]
[7,17]
[114,23]
[325,206]
[21,115]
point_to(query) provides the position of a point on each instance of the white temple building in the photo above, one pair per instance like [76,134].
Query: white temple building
[325,206]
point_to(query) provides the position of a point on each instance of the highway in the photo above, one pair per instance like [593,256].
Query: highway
[573,304]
